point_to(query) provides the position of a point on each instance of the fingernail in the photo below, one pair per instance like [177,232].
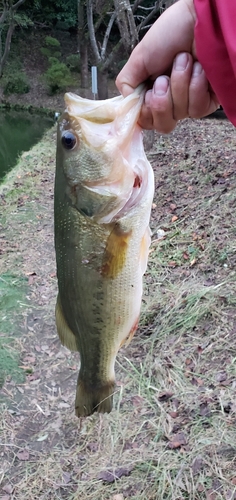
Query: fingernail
[161,85]
[197,69]
[181,61]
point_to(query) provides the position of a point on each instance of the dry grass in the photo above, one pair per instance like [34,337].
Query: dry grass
[172,433]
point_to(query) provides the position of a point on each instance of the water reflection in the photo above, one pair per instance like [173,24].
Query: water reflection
[19,131]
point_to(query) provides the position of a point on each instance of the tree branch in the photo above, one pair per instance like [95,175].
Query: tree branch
[4,14]
[112,55]
[92,32]
[126,23]
[136,5]
[17,4]
[150,16]
[107,34]
[7,45]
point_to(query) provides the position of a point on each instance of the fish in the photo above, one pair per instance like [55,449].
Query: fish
[104,188]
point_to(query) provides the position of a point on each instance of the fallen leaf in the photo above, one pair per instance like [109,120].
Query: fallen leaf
[174,218]
[93,446]
[188,361]
[63,405]
[23,455]
[29,359]
[131,445]
[33,376]
[211,495]
[8,488]
[172,263]
[137,400]
[44,347]
[109,476]
[42,438]
[177,441]
[173,206]
[200,381]
[221,376]
[197,465]
[173,414]
[205,410]
[31,279]
[230,495]
[201,487]
[66,477]
[165,395]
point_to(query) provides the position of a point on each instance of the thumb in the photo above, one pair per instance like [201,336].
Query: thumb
[173,32]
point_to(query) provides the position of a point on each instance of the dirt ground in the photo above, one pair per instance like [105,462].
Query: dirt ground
[172,432]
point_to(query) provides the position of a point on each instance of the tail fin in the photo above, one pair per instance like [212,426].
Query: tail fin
[90,399]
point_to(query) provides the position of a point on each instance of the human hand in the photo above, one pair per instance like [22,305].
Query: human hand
[169,48]
[186,93]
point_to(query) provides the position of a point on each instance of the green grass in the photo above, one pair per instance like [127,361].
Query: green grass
[12,302]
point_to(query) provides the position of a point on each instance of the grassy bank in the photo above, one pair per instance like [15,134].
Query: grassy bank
[172,434]
[20,192]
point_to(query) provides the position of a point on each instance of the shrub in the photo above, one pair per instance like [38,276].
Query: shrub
[51,42]
[52,47]
[57,77]
[15,83]
[73,62]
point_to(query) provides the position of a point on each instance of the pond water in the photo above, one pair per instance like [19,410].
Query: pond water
[19,131]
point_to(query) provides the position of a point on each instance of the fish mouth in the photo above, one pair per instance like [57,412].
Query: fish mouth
[101,111]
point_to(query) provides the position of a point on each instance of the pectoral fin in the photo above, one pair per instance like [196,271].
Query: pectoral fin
[66,336]
[115,253]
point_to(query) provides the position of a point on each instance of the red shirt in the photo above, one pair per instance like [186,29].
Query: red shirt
[215,35]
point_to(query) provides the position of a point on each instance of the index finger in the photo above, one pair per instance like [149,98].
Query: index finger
[172,33]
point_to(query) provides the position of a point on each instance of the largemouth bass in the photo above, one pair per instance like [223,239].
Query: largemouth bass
[103,195]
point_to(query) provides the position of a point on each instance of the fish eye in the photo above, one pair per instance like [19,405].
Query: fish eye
[68,140]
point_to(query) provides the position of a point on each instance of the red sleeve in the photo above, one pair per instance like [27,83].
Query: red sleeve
[215,35]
